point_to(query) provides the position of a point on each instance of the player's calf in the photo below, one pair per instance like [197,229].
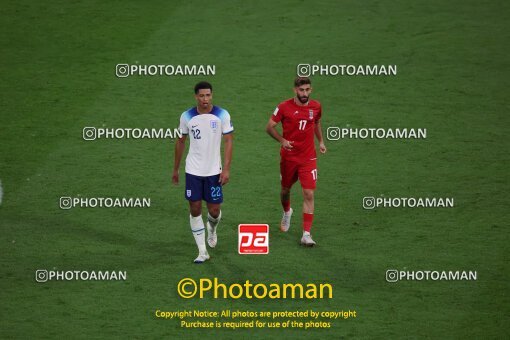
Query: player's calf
[198,230]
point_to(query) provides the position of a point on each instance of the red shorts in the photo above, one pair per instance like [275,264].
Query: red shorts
[306,172]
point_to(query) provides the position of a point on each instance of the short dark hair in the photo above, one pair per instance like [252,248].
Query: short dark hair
[302,81]
[202,86]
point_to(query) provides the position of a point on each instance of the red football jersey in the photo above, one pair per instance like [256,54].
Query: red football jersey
[298,124]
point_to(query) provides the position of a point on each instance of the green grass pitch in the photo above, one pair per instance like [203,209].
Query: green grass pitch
[58,76]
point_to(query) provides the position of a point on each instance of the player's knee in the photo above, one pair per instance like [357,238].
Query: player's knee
[308,195]
[214,211]
[195,208]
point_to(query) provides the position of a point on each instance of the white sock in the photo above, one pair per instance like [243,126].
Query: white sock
[198,230]
[306,233]
[214,221]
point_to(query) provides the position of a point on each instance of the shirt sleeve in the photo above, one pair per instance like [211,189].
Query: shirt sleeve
[277,114]
[319,114]
[226,124]
[183,125]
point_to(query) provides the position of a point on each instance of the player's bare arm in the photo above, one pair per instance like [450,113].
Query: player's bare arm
[179,150]
[228,141]
[318,134]
[271,130]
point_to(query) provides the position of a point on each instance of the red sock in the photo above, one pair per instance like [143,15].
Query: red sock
[307,221]
[286,205]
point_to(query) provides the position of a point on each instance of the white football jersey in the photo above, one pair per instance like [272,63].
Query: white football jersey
[205,132]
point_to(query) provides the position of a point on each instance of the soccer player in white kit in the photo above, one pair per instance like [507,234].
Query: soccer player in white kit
[206,125]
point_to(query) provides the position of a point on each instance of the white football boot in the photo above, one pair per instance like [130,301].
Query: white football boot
[202,258]
[307,241]
[285,223]
[212,237]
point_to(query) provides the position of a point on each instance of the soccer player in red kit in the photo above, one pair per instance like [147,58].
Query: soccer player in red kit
[300,117]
